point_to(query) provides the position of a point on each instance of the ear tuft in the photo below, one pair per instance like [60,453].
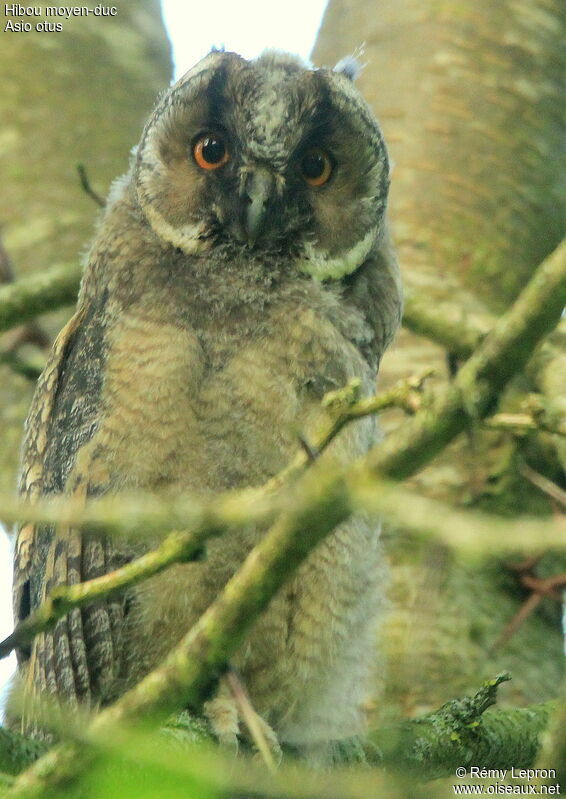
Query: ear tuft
[349,66]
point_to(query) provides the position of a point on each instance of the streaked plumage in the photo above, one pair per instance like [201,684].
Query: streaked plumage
[219,303]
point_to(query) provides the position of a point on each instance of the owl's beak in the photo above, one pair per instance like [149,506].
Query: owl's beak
[259,185]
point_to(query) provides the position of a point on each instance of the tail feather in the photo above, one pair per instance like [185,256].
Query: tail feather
[79,656]
[64,672]
[96,622]
[47,661]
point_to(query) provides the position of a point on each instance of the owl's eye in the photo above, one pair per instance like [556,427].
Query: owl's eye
[316,167]
[210,151]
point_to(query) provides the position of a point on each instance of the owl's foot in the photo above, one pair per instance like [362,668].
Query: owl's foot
[222,714]
[225,714]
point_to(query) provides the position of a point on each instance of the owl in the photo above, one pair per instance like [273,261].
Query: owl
[241,270]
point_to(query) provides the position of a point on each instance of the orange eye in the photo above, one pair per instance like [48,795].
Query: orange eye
[210,151]
[316,167]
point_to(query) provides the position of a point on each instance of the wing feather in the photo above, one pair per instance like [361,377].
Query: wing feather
[77,659]
[33,455]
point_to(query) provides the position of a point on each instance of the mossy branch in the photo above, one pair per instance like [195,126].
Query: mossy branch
[470,397]
[477,387]
[449,325]
[459,734]
[344,406]
[59,285]
[321,501]
[446,324]
[177,548]
[146,515]
[460,333]
[17,752]
[466,531]
[27,298]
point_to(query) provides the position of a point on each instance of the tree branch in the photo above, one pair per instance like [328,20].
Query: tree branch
[177,548]
[521,423]
[41,292]
[548,371]
[321,501]
[460,734]
[447,324]
[17,752]
[20,366]
[431,426]
[476,389]
[466,531]
[344,406]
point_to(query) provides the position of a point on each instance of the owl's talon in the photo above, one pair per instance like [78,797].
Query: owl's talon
[222,714]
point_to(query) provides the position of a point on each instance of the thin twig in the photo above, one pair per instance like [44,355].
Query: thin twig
[177,548]
[527,608]
[540,588]
[311,453]
[545,485]
[522,423]
[343,406]
[85,184]
[250,717]
[30,333]
[317,504]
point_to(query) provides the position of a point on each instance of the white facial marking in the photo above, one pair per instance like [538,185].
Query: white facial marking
[320,267]
[187,237]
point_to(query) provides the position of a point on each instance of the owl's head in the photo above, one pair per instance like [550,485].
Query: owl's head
[267,156]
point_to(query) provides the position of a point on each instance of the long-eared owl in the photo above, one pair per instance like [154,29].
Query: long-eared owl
[241,269]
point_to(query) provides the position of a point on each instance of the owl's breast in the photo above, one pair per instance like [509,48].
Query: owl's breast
[266,392]
[222,406]
[151,380]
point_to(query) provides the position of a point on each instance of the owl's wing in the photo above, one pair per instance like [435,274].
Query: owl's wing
[375,288]
[31,480]
[77,657]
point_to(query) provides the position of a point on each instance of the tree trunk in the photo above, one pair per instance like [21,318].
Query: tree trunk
[469,96]
[78,95]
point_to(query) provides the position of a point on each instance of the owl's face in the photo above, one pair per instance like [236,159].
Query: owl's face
[266,156]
